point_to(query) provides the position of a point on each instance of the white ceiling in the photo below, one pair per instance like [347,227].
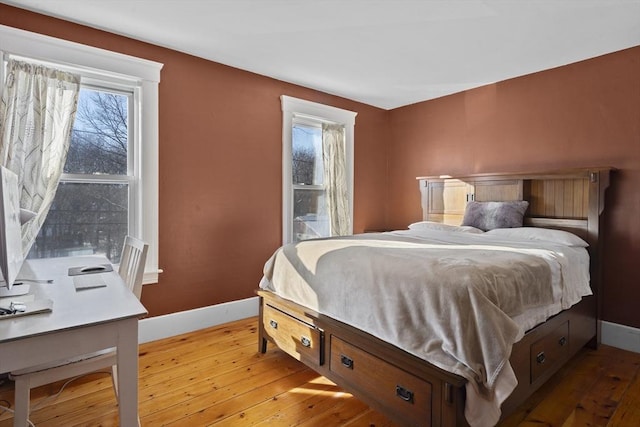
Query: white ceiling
[385,53]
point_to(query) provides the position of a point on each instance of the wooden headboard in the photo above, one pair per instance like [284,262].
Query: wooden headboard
[571,200]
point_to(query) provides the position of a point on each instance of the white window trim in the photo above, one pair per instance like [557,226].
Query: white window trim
[294,107]
[106,64]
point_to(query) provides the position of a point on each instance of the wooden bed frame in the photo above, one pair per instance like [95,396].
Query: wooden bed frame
[411,391]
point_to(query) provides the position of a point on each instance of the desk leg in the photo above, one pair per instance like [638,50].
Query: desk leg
[128,373]
[22,395]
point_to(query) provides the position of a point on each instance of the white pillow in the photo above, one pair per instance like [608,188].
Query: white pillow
[431,225]
[544,234]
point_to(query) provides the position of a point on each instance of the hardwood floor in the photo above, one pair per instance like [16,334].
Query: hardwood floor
[216,377]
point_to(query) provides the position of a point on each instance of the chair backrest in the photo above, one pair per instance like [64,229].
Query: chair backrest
[132,261]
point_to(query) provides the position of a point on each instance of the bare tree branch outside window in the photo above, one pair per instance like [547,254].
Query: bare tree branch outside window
[91,217]
[309,212]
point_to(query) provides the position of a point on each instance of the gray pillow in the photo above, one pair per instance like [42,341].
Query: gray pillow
[489,215]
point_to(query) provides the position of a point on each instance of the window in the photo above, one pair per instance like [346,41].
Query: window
[305,190]
[110,182]
[310,214]
[90,212]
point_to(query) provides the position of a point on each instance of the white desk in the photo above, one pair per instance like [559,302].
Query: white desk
[81,322]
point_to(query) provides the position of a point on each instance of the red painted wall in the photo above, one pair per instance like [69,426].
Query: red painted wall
[220,159]
[220,167]
[580,115]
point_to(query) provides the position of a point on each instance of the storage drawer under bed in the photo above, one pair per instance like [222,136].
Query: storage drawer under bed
[301,340]
[549,350]
[398,391]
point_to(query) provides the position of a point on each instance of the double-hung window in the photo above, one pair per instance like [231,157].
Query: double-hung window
[109,185]
[94,207]
[315,138]
[310,213]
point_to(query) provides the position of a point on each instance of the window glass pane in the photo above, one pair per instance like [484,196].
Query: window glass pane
[100,135]
[310,218]
[85,219]
[306,144]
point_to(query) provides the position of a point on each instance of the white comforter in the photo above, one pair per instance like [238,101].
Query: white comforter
[457,300]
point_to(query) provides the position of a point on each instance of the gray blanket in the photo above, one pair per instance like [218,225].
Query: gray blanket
[449,303]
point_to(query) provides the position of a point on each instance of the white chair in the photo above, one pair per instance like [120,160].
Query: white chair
[132,261]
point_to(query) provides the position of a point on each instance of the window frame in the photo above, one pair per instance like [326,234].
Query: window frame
[292,109]
[99,65]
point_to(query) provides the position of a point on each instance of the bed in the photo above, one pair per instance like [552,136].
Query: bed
[381,315]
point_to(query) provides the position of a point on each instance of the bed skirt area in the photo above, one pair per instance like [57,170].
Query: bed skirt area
[407,389]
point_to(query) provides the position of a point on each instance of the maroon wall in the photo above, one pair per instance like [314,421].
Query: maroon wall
[220,159]
[580,115]
[220,167]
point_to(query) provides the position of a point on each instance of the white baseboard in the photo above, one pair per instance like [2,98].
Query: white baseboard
[159,327]
[620,336]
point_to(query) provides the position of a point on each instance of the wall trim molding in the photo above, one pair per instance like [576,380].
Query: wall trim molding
[620,336]
[159,327]
[292,109]
[137,74]
[46,48]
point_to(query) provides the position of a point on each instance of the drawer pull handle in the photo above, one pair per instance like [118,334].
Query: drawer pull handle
[562,341]
[346,361]
[306,342]
[540,358]
[404,394]
[273,324]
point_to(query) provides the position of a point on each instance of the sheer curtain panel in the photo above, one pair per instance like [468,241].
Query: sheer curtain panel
[335,178]
[36,119]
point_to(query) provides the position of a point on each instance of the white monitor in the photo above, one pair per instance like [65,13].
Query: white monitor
[11,257]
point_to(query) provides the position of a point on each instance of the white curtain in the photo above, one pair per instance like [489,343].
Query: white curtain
[335,178]
[36,118]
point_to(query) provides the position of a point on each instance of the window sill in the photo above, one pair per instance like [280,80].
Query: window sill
[151,277]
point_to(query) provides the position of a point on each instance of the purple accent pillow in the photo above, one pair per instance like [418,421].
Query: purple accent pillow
[489,215]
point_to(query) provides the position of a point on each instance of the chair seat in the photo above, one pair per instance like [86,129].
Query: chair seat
[102,354]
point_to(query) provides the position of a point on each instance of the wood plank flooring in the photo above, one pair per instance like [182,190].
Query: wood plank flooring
[216,377]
